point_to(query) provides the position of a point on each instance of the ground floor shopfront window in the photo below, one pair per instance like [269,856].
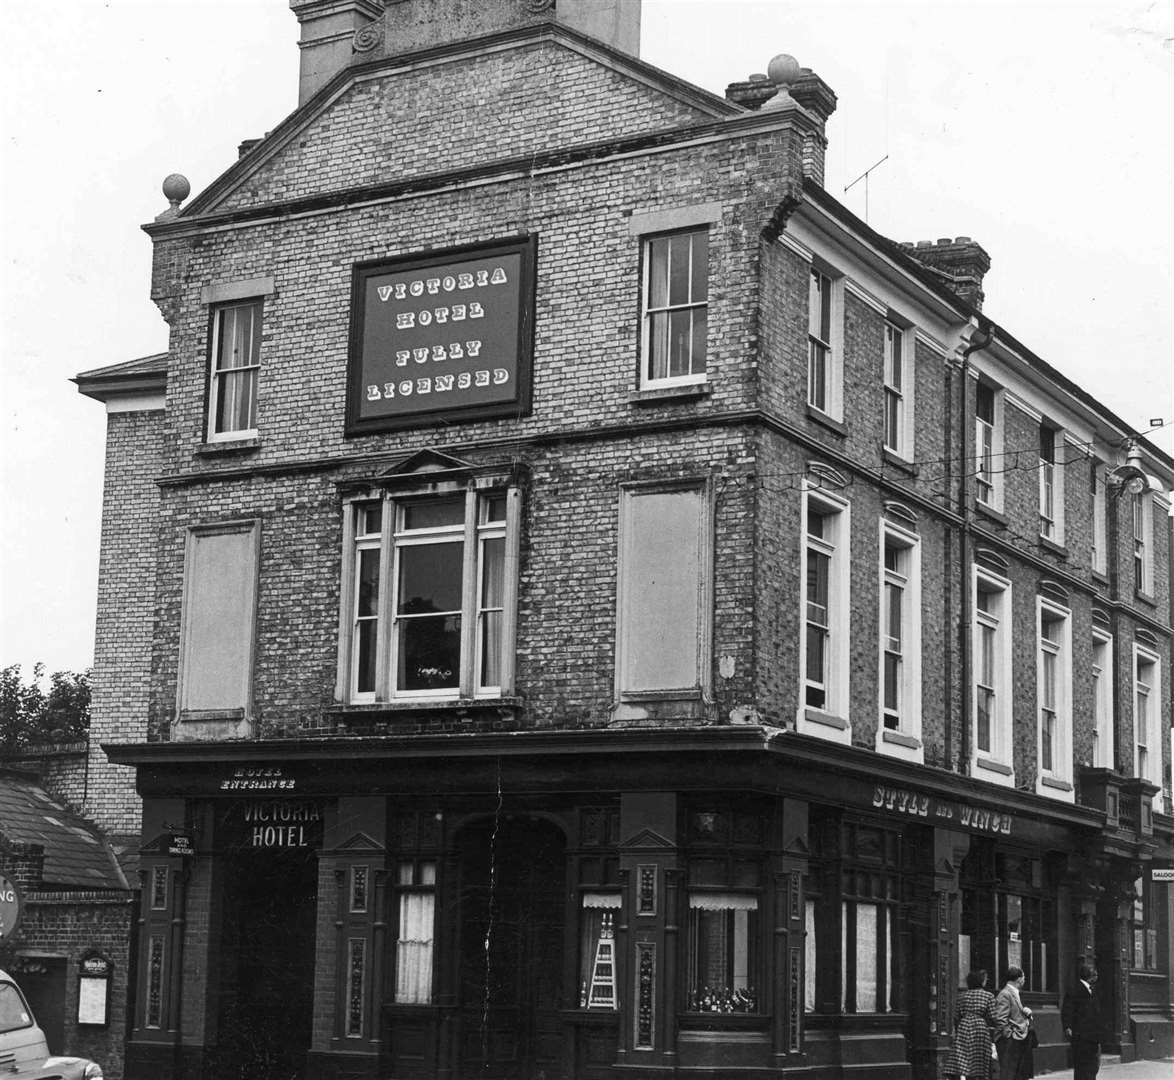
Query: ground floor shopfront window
[1008,918]
[853,944]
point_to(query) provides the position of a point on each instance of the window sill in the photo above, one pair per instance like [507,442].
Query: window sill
[463,708]
[1100,577]
[228,446]
[825,421]
[1053,547]
[996,516]
[894,459]
[990,765]
[899,739]
[660,395]
[718,1021]
[1145,598]
[817,716]
[1058,785]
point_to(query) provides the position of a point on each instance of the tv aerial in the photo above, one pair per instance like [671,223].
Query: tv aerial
[864,176]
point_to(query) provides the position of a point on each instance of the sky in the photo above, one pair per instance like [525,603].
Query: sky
[1044,129]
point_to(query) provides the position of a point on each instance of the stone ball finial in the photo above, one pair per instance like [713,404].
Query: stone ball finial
[176,188]
[783,70]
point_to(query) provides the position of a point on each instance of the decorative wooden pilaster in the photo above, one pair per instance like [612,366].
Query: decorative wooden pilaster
[785,1002]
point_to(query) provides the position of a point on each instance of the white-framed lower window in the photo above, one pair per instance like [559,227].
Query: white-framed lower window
[899,674]
[1102,700]
[825,334]
[1054,700]
[416,903]
[991,752]
[824,627]
[1147,715]
[429,595]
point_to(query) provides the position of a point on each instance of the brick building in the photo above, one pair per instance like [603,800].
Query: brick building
[72,948]
[575,599]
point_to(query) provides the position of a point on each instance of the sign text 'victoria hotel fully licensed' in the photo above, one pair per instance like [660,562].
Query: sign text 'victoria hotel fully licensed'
[441,335]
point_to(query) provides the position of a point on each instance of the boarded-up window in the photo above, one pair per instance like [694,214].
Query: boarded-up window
[220,591]
[662,581]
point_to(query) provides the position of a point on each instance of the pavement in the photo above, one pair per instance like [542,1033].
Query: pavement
[1113,1069]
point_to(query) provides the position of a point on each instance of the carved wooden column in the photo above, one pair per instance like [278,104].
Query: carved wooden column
[786,999]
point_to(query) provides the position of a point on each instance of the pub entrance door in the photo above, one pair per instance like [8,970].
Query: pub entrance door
[266,959]
[511,959]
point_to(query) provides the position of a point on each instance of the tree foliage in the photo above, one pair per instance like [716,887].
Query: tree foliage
[31,717]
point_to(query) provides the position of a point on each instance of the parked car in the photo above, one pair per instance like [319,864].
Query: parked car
[24,1054]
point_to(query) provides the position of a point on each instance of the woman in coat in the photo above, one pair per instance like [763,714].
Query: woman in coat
[974,1017]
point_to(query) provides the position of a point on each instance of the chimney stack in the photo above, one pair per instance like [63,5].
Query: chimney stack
[328,38]
[961,264]
[786,86]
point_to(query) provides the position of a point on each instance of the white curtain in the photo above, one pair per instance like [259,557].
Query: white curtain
[413,957]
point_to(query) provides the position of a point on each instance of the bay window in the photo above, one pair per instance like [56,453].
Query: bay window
[430,585]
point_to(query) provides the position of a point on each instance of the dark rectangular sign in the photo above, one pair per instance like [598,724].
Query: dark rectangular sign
[443,336]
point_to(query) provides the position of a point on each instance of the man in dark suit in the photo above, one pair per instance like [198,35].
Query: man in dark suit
[1081,1017]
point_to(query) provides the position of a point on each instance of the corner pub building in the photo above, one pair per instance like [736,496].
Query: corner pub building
[577,602]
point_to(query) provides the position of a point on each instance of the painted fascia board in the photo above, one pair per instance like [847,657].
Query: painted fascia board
[237,174]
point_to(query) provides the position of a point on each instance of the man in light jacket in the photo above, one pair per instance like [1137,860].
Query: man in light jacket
[1012,1025]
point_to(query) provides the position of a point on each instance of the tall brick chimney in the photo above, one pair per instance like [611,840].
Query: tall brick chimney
[961,264]
[329,29]
[786,86]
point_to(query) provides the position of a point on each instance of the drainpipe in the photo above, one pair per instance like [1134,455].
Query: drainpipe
[977,335]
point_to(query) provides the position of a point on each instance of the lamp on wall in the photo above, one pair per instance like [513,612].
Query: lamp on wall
[1129,478]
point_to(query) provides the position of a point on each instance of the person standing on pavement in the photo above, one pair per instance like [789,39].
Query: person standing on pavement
[970,1051]
[1081,1017]
[1012,1025]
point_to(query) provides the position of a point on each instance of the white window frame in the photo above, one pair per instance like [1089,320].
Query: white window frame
[1100,520]
[218,375]
[831,719]
[698,369]
[1101,667]
[828,396]
[1148,741]
[1141,517]
[415,881]
[1051,485]
[988,450]
[1054,699]
[995,765]
[900,342]
[904,738]
[473,532]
